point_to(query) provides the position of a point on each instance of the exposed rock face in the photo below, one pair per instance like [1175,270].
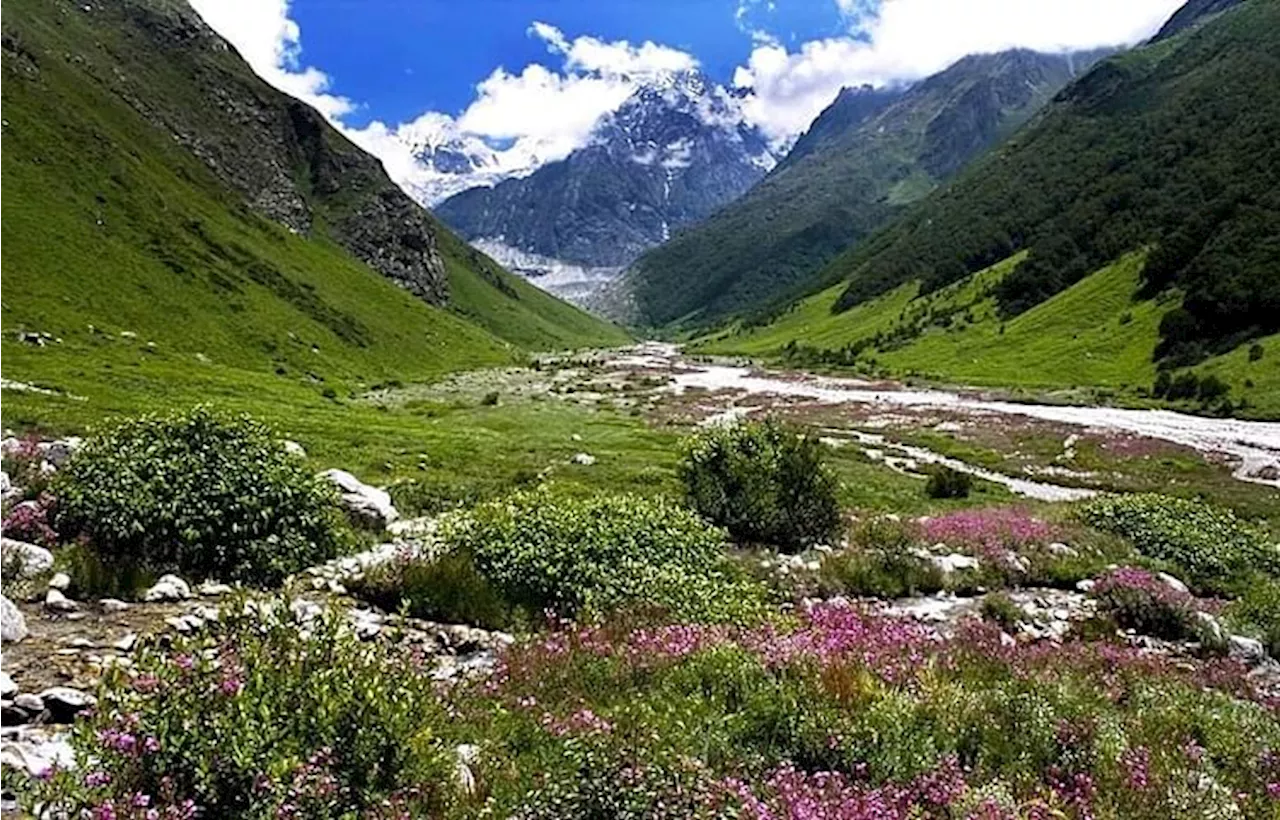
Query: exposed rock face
[368,506]
[673,153]
[290,165]
[13,626]
[1193,13]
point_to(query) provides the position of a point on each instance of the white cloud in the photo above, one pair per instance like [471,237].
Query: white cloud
[896,40]
[270,42]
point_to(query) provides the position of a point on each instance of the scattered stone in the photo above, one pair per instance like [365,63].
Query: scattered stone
[366,505]
[24,560]
[112,605]
[1249,651]
[185,624]
[1211,627]
[61,582]
[584,459]
[1058,548]
[57,452]
[212,589]
[55,601]
[1086,585]
[13,626]
[7,687]
[293,448]
[64,703]
[954,562]
[168,588]
[1173,583]
[126,643]
[33,705]
[37,756]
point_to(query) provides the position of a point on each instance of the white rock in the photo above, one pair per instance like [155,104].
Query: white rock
[36,759]
[61,582]
[64,703]
[1246,650]
[1058,548]
[24,560]
[1210,625]
[29,703]
[585,459]
[112,605]
[953,562]
[1086,585]
[1173,583]
[370,506]
[168,588]
[13,626]
[7,687]
[57,452]
[126,643]
[212,589]
[293,448]
[55,601]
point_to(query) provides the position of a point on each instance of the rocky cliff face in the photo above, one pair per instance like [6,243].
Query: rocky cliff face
[290,165]
[672,154]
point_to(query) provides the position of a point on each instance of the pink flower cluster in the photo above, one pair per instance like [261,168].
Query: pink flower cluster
[582,722]
[791,794]
[140,806]
[992,527]
[123,737]
[29,521]
[1135,579]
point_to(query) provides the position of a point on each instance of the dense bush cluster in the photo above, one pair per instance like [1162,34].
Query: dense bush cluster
[945,482]
[539,551]
[200,493]
[1215,549]
[838,714]
[763,482]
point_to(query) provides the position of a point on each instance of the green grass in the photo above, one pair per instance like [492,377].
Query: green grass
[112,227]
[1092,335]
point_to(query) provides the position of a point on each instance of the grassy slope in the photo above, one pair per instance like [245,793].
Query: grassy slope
[108,222]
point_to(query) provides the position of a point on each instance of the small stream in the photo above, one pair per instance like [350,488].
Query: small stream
[1253,445]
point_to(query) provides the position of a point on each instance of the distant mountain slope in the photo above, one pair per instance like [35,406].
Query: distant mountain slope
[675,151]
[159,196]
[1193,13]
[1171,146]
[865,158]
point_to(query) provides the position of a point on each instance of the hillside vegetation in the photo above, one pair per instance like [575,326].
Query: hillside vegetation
[174,227]
[1170,147]
[867,157]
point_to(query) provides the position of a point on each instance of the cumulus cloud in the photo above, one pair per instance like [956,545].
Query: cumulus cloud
[270,42]
[900,40]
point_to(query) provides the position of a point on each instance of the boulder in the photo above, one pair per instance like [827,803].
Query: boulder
[293,448]
[168,588]
[24,560]
[13,626]
[1249,651]
[953,562]
[7,687]
[64,703]
[57,452]
[60,582]
[33,705]
[1173,583]
[366,505]
[55,601]
[583,459]
[112,605]
[1058,548]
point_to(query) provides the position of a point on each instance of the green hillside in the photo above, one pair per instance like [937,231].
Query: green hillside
[864,160]
[1093,335]
[130,241]
[1170,147]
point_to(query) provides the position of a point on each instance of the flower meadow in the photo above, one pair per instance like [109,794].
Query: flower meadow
[835,711]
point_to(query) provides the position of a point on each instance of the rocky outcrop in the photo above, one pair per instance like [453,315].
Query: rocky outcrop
[367,506]
[290,165]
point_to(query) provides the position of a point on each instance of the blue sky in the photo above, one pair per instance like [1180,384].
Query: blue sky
[400,58]
[528,79]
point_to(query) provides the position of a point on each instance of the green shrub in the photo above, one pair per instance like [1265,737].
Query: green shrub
[1257,612]
[879,574]
[274,723]
[199,493]
[946,482]
[447,588]
[1136,599]
[490,399]
[1000,609]
[1210,545]
[546,551]
[763,482]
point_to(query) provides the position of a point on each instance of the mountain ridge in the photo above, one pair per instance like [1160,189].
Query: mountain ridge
[864,159]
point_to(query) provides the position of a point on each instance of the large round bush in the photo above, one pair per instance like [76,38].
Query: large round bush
[201,493]
[544,551]
[762,481]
